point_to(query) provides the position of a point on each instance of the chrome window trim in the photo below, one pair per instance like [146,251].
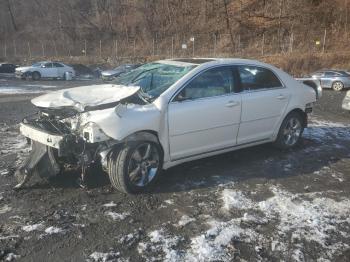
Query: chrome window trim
[263,89]
[171,100]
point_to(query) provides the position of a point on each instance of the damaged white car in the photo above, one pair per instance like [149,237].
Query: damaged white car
[163,114]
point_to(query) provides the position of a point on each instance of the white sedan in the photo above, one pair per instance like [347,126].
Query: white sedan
[45,69]
[165,113]
[346,101]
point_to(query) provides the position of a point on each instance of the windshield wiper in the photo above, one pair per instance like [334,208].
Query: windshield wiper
[144,96]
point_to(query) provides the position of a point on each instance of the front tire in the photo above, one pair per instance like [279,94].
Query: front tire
[290,131]
[135,167]
[36,76]
[337,86]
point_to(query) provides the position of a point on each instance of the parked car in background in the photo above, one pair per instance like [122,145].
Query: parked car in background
[335,79]
[163,114]
[109,75]
[45,69]
[346,101]
[83,72]
[7,68]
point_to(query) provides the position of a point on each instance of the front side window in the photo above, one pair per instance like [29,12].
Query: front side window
[37,65]
[255,78]
[330,74]
[214,82]
[48,65]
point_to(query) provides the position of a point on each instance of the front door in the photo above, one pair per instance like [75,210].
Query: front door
[205,115]
[49,70]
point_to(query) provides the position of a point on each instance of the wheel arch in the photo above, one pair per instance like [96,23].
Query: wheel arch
[35,71]
[148,135]
[301,113]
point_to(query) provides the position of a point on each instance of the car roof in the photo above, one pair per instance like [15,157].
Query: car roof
[209,61]
[331,70]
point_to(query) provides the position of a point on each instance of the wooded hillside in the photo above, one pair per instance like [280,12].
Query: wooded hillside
[161,27]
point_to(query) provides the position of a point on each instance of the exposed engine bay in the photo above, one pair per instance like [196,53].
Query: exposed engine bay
[62,137]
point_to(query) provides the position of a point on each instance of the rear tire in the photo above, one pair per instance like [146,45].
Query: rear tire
[337,86]
[135,167]
[290,131]
[36,76]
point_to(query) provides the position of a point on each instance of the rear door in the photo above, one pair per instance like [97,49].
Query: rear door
[204,116]
[60,69]
[264,100]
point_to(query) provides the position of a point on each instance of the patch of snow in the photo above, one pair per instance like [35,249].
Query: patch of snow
[169,201]
[309,216]
[212,245]
[4,172]
[254,219]
[8,237]
[104,257]
[132,238]
[53,230]
[184,220]
[323,131]
[161,242]
[79,225]
[19,90]
[11,257]
[5,208]
[235,199]
[110,204]
[30,228]
[42,86]
[118,216]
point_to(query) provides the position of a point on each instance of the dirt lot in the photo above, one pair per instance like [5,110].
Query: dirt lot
[256,204]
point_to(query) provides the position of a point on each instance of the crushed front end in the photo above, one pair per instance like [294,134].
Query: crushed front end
[59,138]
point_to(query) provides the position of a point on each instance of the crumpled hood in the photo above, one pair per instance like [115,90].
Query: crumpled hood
[85,96]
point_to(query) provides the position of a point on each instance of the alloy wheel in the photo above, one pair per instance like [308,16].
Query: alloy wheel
[143,164]
[337,86]
[292,131]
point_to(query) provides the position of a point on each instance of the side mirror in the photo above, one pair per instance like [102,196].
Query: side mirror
[180,97]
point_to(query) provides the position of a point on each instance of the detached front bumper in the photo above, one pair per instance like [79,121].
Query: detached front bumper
[43,137]
[67,145]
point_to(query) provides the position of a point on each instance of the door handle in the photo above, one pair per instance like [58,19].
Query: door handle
[281,97]
[232,104]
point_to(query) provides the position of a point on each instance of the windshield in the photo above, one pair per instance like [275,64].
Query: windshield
[36,64]
[154,78]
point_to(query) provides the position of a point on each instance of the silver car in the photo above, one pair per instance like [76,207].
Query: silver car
[335,79]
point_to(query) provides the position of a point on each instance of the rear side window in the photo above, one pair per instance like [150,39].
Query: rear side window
[214,82]
[331,74]
[57,65]
[255,78]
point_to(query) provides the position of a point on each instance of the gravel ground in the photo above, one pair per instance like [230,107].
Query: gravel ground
[256,204]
